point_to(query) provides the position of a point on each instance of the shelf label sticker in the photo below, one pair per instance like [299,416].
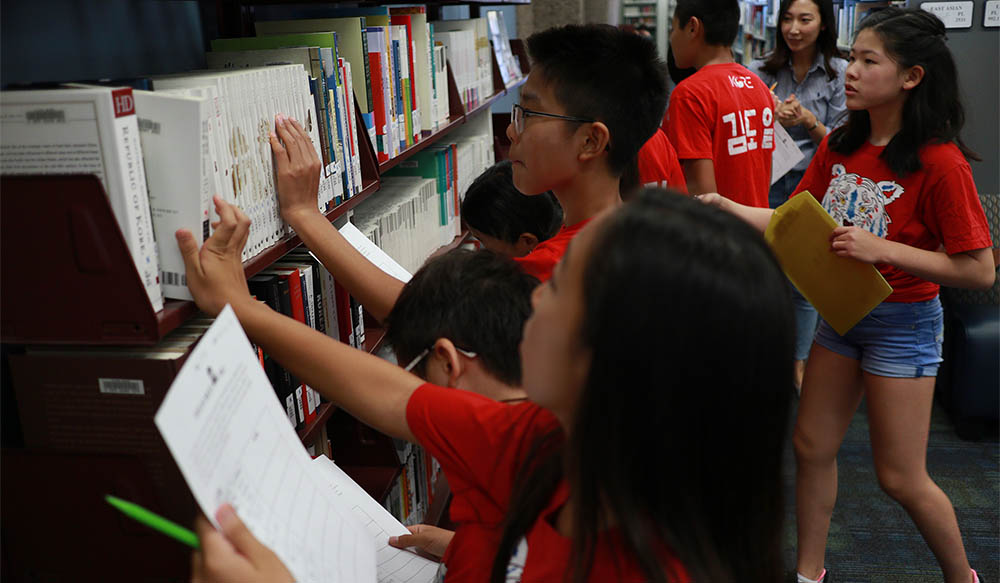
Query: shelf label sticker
[121,386]
[991,14]
[952,14]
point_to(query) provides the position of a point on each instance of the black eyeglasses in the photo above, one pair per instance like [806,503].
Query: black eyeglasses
[425,352]
[518,113]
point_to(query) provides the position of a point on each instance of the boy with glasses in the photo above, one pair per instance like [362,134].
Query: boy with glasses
[594,96]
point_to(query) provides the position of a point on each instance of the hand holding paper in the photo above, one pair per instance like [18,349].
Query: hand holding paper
[233,554]
[857,243]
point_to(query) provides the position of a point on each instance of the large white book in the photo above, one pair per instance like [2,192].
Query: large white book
[176,134]
[90,130]
[249,100]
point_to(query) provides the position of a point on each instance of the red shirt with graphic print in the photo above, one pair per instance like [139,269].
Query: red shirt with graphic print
[658,164]
[937,205]
[543,258]
[725,113]
[481,445]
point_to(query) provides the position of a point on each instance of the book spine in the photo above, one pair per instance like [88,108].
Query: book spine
[139,225]
[376,71]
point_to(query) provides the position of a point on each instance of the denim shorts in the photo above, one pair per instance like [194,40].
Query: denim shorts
[901,340]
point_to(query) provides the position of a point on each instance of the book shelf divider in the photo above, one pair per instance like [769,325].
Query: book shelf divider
[69,277]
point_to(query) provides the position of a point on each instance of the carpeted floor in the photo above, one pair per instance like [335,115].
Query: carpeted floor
[873,540]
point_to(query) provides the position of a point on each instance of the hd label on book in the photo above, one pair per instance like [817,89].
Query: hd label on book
[952,14]
[122,386]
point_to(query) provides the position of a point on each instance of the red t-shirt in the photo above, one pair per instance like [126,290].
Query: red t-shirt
[937,205]
[481,444]
[658,164]
[543,258]
[724,113]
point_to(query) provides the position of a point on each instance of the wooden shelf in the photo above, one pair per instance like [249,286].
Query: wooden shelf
[308,433]
[436,514]
[425,140]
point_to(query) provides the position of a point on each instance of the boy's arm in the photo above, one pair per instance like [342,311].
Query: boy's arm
[298,169]
[699,175]
[369,388]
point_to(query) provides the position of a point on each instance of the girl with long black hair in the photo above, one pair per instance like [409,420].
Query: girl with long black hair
[639,458]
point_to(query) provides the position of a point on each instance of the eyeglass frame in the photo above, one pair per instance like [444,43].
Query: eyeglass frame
[525,113]
[425,352]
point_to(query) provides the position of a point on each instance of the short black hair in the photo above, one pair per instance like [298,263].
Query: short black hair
[493,206]
[603,73]
[477,299]
[721,18]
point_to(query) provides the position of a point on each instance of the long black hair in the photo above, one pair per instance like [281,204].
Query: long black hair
[826,42]
[678,433]
[933,111]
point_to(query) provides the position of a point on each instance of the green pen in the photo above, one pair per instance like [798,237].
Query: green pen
[154,521]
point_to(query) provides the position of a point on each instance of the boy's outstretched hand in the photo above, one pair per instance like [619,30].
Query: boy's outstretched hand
[298,169]
[214,272]
[430,539]
[233,555]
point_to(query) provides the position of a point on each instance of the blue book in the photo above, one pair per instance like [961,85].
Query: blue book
[398,77]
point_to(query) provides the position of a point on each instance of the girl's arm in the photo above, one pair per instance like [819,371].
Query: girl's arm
[757,217]
[298,170]
[369,388]
[969,269]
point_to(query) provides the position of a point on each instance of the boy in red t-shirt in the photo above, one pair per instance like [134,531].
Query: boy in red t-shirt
[659,165]
[721,118]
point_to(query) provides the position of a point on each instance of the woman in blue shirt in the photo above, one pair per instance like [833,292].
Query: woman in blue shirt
[809,73]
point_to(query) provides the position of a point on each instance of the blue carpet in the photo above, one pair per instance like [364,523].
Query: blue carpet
[872,538]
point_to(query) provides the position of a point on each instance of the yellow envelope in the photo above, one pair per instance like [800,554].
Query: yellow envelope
[842,290]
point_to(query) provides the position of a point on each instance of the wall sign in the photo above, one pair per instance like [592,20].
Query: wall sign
[991,14]
[952,14]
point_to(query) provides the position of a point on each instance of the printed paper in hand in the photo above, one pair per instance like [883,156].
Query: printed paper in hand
[786,153]
[373,253]
[231,439]
[394,565]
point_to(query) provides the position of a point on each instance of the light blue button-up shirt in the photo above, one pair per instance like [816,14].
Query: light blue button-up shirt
[816,92]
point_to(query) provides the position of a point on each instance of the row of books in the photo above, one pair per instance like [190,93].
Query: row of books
[850,13]
[413,492]
[161,155]
[398,66]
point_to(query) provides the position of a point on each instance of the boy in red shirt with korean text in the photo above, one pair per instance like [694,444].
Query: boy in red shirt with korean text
[720,118]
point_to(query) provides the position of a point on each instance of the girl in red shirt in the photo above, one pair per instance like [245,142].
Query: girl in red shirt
[621,467]
[895,177]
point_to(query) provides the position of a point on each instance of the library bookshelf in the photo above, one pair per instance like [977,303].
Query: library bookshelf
[66,445]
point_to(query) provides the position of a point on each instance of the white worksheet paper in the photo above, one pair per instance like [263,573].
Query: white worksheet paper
[233,443]
[394,565]
[786,153]
[373,253]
